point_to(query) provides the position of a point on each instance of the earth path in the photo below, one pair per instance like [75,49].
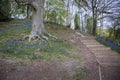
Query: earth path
[108,60]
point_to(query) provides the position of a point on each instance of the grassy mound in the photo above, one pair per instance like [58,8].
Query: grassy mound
[11,45]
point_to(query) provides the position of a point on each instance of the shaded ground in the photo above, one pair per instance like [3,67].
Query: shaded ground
[39,70]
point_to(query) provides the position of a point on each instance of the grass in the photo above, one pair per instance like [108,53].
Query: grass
[14,22]
[12,47]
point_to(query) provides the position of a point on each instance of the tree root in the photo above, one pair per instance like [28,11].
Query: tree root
[35,37]
[38,37]
[51,36]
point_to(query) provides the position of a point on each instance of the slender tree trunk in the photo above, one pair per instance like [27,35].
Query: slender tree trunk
[46,12]
[94,26]
[68,19]
[94,13]
[28,13]
[82,22]
[72,26]
[114,32]
[101,25]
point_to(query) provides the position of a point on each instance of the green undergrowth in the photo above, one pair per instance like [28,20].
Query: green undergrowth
[34,50]
[14,22]
[11,45]
[116,50]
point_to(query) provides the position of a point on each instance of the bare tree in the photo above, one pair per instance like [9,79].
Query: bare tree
[99,8]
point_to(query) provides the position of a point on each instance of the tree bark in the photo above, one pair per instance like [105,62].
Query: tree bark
[68,19]
[94,26]
[37,20]
[38,30]
[28,12]
[94,13]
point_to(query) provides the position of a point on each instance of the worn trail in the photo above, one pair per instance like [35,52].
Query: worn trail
[108,60]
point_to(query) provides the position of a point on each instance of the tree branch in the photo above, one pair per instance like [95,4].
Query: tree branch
[23,2]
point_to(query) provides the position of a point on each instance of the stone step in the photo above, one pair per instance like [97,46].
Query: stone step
[106,52]
[99,48]
[110,64]
[94,45]
[91,43]
[109,60]
[107,55]
[87,38]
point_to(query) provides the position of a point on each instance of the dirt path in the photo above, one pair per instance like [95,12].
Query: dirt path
[108,60]
[90,61]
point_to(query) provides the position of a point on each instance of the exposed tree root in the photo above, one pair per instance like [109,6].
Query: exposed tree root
[38,37]
[35,37]
[48,34]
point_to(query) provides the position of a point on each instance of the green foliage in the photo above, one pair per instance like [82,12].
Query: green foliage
[114,32]
[55,11]
[33,50]
[89,25]
[77,21]
[100,41]
[19,10]
[4,9]
[81,3]
[115,37]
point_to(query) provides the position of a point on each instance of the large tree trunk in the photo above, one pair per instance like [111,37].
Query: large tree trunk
[37,20]
[38,30]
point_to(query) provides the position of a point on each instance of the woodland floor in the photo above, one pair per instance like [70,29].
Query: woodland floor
[89,61]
